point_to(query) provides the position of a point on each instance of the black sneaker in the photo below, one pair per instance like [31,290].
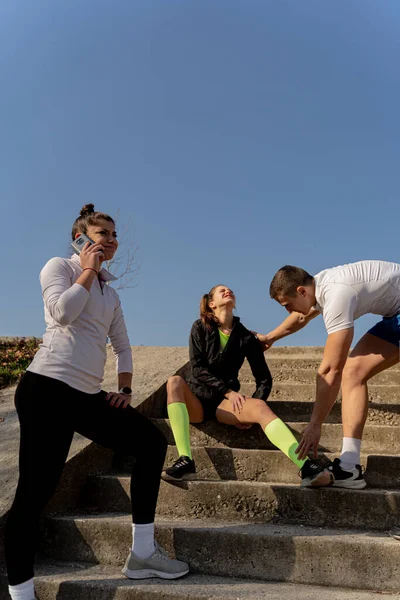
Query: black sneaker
[313,474]
[347,478]
[181,469]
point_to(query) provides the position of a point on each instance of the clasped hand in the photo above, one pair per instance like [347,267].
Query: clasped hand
[118,400]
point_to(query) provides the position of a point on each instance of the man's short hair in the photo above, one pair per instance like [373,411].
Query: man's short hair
[286,281]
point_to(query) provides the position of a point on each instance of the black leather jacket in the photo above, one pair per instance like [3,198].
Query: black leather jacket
[213,373]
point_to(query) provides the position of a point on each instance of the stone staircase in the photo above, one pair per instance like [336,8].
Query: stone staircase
[244,525]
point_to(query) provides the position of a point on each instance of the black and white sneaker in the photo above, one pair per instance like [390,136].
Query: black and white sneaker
[351,479]
[183,468]
[313,474]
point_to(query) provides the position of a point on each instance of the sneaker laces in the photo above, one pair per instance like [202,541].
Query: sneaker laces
[161,552]
[313,466]
[181,462]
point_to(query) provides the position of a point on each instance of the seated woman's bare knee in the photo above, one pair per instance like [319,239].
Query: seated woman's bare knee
[256,409]
[175,382]
[176,388]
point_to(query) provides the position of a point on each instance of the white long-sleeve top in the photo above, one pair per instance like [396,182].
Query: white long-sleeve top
[78,324]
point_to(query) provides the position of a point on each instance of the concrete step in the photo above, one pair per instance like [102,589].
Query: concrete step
[74,581]
[260,552]
[382,471]
[266,465]
[379,414]
[377,439]
[296,351]
[295,362]
[388,377]
[247,501]
[305,392]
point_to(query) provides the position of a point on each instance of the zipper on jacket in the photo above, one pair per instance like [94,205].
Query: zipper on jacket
[101,287]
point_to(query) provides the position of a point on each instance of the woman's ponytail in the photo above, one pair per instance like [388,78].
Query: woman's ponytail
[207,315]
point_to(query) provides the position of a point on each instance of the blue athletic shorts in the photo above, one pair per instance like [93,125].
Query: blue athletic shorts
[388,329]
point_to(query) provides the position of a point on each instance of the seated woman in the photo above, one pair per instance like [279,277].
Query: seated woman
[218,345]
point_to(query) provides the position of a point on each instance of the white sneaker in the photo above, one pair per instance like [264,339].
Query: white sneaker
[351,479]
[157,565]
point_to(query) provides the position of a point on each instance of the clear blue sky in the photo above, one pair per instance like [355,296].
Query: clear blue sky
[236,136]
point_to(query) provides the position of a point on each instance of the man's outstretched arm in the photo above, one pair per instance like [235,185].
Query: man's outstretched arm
[294,322]
[329,378]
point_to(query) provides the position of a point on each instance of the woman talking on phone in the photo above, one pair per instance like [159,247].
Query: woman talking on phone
[61,394]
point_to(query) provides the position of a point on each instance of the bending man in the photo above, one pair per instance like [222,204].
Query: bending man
[343,294]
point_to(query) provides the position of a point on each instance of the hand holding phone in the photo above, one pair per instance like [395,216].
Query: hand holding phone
[79,243]
[91,254]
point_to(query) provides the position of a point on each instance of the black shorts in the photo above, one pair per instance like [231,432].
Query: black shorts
[210,406]
[209,403]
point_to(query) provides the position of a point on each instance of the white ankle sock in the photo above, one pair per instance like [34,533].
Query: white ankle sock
[22,591]
[143,540]
[350,456]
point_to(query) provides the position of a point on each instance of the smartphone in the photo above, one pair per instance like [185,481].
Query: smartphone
[79,243]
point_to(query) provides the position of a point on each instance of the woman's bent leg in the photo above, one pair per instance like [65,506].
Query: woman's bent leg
[45,439]
[126,430]
[183,407]
[257,411]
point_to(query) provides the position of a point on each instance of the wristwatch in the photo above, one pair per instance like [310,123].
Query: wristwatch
[125,390]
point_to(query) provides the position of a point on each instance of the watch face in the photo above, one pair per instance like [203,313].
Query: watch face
[126,390]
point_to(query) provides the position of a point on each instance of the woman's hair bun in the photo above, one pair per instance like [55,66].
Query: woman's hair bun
[87,210]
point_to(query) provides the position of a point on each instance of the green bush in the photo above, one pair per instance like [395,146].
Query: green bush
[15,356]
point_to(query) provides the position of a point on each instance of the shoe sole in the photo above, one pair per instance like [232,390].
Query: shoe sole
[353,484]
[323,479]
[148,573]
[186,477]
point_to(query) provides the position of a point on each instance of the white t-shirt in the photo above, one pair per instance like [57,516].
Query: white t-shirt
[78,323]
[347,292]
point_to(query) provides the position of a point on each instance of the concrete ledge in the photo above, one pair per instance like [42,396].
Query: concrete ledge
[305,392]
[378,439]
[296,361]
[87,582]
[299,375]
[248,501]
[261,552]
[235,464]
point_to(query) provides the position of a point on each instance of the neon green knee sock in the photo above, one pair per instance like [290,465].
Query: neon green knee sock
[179,420]
[281,436]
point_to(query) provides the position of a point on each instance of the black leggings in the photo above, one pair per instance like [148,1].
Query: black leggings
[49,412]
